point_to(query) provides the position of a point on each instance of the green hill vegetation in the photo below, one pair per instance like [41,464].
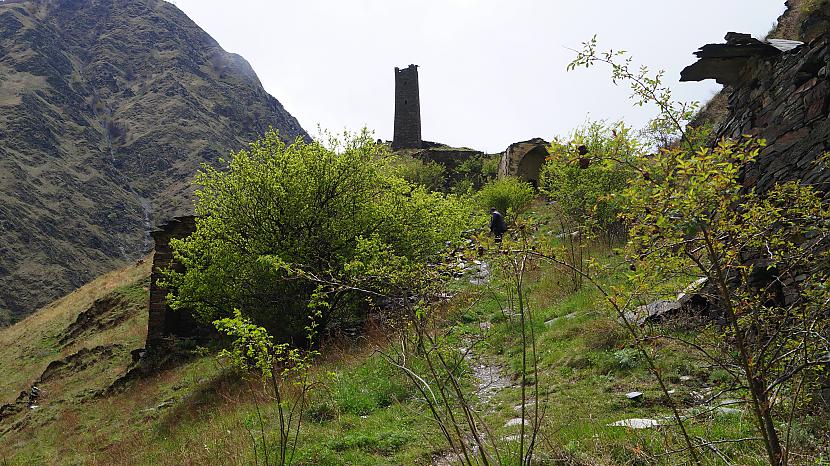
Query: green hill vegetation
[536,350]
[644,307]
[365,411]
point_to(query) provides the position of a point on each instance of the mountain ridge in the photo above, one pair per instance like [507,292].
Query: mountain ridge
[108,109]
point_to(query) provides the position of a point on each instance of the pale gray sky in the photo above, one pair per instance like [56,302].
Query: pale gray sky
[492,72]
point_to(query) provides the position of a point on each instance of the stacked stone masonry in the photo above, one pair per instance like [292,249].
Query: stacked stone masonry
[524,160]
[407,133]
[785,100]
[163,322]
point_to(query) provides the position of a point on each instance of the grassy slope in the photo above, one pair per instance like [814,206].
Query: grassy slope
[195,413]
[364,412]
[30,345]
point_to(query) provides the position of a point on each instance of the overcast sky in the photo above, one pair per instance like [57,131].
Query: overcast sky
[492,72]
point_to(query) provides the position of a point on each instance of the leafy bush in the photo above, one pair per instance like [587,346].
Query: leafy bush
[585,173]
[477,171]
[508,195]
[490,167]
[285,233]
[430,175]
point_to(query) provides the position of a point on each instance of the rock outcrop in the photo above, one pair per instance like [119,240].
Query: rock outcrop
[107,109]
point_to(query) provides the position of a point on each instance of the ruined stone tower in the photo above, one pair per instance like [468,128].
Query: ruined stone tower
[407,109]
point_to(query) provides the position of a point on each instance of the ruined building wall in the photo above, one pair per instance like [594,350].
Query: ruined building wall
[785,99]
[163,322]
[524,160]
[407,109]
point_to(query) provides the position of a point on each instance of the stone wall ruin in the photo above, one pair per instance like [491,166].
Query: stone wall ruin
[163,322]
[782,95]
[524,160]
[778,93]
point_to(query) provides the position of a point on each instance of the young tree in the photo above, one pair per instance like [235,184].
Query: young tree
[763,255]
[279,224]
[765,258]
[280,367]
[586,191]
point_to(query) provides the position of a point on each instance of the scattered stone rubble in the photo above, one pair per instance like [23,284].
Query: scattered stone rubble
[691,300]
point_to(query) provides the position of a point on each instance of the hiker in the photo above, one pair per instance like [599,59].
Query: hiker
[497,225]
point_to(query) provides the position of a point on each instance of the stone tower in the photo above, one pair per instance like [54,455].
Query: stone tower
[407,109]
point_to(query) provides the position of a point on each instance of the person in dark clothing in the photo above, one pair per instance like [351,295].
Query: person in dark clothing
[497,225]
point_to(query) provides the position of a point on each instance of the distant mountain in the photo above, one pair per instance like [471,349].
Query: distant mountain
[107,109]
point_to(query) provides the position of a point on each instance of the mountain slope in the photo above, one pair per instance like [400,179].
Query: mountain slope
[107,109]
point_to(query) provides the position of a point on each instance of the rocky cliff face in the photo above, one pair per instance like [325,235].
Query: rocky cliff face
[107,109]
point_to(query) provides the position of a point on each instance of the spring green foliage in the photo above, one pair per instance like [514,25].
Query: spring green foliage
[475,172]
[429,174]
[510,196]
[463,179]
[667,127]
[764,256]
[253,349]
[280,365]
[281,228]
[586,186]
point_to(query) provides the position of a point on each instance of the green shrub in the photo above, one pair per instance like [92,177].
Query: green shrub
[430,175]
[490,167]
[477,170]
[586,185]
[509,195]
[612,361]
[278,219]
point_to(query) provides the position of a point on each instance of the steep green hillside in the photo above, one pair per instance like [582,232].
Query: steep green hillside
[107,108]
[107,316]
